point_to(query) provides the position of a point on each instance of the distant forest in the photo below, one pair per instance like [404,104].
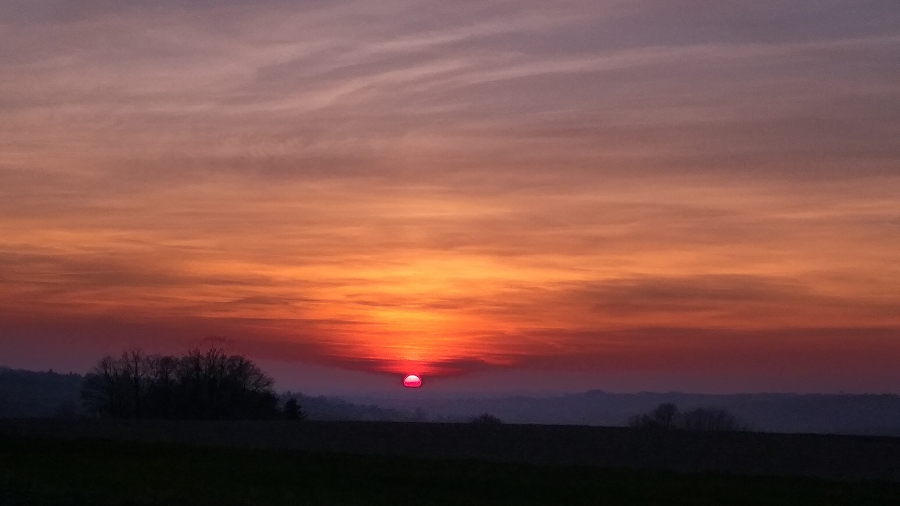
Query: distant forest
[29,394]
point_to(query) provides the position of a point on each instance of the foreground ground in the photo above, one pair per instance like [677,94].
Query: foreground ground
[849,458]
[40,471]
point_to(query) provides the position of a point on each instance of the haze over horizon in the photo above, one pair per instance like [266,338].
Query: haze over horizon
[498,196]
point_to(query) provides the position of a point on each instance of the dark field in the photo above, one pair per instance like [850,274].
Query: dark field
[89,472]
[823,456]
[80,462]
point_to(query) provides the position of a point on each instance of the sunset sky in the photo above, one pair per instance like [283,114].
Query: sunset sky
[696,195]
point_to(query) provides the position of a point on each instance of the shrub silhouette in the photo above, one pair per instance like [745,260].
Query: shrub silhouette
[664,416]
[486,419]
[202,384]
[711,419]
[667,416]
[292,410]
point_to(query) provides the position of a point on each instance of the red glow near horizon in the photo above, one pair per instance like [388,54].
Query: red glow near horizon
[412,381]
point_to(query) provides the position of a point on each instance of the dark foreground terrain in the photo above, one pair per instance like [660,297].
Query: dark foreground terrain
[43,471]
[822,456]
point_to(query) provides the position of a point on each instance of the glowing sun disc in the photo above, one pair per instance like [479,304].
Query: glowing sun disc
[412,381]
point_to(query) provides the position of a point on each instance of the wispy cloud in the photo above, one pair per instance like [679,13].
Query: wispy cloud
[424,184]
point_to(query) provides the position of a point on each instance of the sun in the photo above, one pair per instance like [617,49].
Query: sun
[412,381]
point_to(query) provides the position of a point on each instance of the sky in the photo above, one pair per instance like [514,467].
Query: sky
[496,195]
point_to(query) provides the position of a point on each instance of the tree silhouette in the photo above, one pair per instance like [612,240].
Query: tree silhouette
[663,417]
[292,410]
[667,416]
[202,384]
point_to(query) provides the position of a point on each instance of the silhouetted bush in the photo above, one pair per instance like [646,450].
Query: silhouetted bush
[486,419]
[208,384]
[667,416]
[292,410]
[710,419]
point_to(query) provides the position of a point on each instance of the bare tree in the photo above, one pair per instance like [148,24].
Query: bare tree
[99,393]
[138,369]
[116,386]
[208,384]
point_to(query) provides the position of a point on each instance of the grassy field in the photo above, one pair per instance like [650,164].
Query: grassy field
[37,471]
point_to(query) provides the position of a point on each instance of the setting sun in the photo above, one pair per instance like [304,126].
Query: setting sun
[412,381]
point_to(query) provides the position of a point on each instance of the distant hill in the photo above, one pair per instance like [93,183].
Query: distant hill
[788,413]
[329,409]
[30,394]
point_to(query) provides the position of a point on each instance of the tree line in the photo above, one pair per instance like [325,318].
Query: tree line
[206,384]
[31,394]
